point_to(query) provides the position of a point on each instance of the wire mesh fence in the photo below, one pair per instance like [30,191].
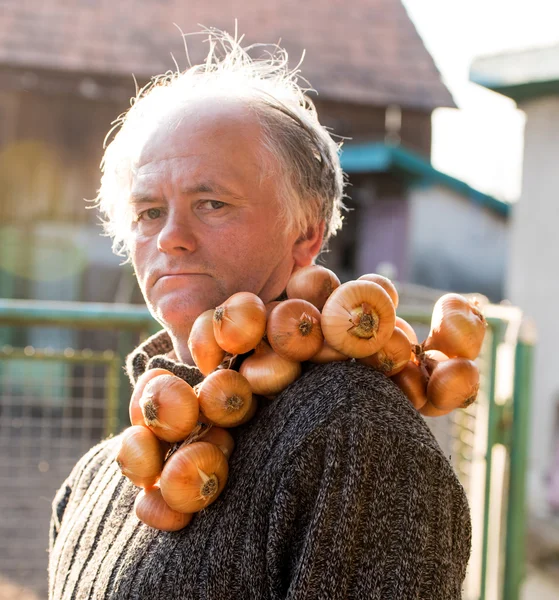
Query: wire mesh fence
[53,407]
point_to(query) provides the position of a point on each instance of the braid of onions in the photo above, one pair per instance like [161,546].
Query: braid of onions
[178,446]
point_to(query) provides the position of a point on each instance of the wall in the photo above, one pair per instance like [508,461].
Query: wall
[533,278]
[456,244]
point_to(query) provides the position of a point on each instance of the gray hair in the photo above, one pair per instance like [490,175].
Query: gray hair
[303,152]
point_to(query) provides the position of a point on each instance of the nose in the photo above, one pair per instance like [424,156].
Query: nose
[177,235]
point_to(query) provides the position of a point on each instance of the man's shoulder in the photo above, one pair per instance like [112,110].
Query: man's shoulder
[344,391]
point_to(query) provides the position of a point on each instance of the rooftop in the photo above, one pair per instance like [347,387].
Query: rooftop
[364,51]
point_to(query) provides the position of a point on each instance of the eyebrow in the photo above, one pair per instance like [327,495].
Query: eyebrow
[201,188]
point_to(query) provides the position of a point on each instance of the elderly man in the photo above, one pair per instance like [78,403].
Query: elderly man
[221,180]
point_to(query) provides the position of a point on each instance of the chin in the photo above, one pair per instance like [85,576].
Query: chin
[178,314]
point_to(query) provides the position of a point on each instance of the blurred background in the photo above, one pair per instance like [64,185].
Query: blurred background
[450,110]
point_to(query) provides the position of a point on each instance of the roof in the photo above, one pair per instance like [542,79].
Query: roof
[521,74]
[383,158]
[365,51]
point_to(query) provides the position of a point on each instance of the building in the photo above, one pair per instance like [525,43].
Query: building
[531,78]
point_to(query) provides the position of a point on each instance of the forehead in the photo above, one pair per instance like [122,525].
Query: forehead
[219,127]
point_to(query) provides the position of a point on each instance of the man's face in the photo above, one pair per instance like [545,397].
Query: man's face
[206,214]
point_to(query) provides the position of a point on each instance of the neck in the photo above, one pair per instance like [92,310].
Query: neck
[181,350]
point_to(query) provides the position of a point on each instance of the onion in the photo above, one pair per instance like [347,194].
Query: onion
[267,372]
[428,410]
[327,354]
[222,439]
[358,318]
[293,330]
[384,283]
[225,397]
[193,477]
[239,323]
[313,284]
[412,381]
[205,351]
[453,384]
[134,410]
[170,407]
[140,456]
[393,356]
[457,327]
[407,329]
[431,359]
[152,510]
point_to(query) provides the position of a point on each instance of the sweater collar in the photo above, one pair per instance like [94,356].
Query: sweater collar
[153,354]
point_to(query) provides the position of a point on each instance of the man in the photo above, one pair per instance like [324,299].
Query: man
[222,180]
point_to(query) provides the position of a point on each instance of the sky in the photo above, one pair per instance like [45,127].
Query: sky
[482,142]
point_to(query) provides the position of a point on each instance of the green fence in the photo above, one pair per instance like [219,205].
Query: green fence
[55,404]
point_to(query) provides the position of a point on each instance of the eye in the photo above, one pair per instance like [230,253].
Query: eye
[150,214]
[212,204]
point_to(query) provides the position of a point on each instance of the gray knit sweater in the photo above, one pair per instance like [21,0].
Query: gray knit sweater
[337,490]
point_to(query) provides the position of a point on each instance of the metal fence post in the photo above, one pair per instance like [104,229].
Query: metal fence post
[515,559]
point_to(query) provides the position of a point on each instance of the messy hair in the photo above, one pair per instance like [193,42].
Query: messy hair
[301,150]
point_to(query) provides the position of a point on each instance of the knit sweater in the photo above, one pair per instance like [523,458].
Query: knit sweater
[337,490]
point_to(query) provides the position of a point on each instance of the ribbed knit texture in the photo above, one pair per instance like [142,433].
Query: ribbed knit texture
[337,490]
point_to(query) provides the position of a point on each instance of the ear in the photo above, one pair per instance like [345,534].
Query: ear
[308,245]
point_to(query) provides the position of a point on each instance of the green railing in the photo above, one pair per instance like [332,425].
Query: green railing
[487,443]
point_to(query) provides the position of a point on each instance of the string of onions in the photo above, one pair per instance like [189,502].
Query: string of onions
[177,448]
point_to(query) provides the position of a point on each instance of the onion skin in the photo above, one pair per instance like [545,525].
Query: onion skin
[453,384]
[413,382]
[407,329]
[358,318]
[140,456]
[294,331]
[431,359]
[222,439]
[225,397]
[457,327]
[154,512]
[384,283]
[193,477]
[134,410]
[393,356]
[203,347]
[313,284]
[327,355]
[267,372]
[170,407]
[240,323]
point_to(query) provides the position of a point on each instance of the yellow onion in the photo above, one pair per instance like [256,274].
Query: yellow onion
[267,372]
[393,356]
[407,329]
[428,410]
[221,438]
[134,410]
[431,359]
[358,318]
[457,327]
[225,397]
[170,407]
[384,283]
[413,382]
[193,477]
[140,456]
[454,383]
[327,354]
[240,322]
[152,510]
[205,351]
[294,331]
[313,284]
